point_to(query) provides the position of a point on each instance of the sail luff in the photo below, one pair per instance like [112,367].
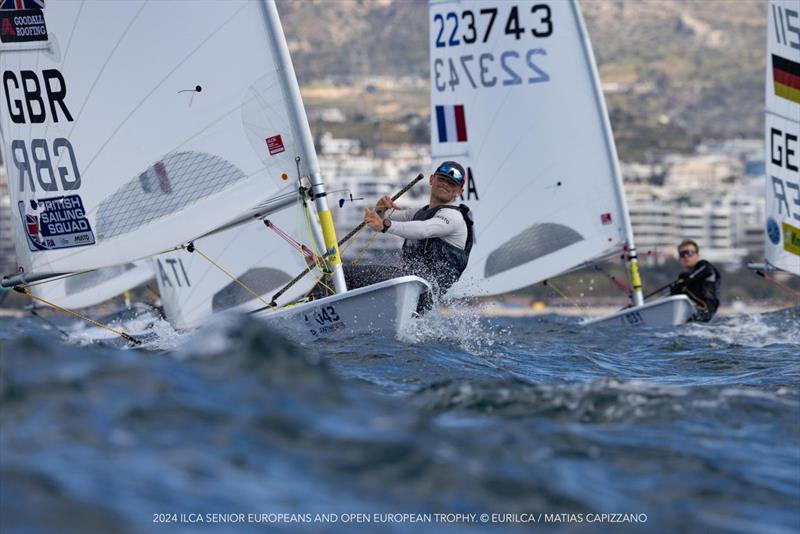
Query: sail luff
[292,93]
[781,132]
[612,155]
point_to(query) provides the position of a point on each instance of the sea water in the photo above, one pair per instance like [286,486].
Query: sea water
[468,424]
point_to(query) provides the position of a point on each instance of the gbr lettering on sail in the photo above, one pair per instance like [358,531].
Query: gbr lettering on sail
[46,170]
[36,98]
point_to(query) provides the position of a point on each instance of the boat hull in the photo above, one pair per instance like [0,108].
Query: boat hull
[670,311]
[385,308]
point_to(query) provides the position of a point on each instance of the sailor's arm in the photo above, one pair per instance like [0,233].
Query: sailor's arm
[703,272]
[397,213]
[439,225]
[434,227]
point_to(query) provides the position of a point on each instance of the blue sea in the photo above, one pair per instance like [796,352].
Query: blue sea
[469,424]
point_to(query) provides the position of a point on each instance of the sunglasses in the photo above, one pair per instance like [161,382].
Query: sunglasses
[686,253]
[447,180]
[452,172]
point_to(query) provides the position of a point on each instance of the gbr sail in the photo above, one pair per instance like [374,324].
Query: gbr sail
[131,127]
[515,97]
[782,132]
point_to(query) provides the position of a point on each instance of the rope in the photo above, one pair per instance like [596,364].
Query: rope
[192,248]
[617,282]
[697,300]
[50,323]
[781,285]
[548,283]
[56,278]
[120,333]
[307,253]
[347,245]
[369,242]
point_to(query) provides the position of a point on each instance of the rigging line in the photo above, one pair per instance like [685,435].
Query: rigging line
[369,242]
[572,301]
[616,281]
[192,248]
[352,240]
[120,333]
[697,300]
[159,84]
[50,323]
[364,249]
[57,278]
[778,283]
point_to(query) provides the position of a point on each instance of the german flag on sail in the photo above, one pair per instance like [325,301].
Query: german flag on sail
[786,78]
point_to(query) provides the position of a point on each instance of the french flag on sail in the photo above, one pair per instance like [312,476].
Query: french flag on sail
[451,124]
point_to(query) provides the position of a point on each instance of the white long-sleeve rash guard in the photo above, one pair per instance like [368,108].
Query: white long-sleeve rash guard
[447,224]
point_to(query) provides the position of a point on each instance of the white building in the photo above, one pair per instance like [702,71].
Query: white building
[726,222]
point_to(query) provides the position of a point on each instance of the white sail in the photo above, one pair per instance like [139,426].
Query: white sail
[131,127]
[94,287]
[515,98]
[192,289]
[782,135]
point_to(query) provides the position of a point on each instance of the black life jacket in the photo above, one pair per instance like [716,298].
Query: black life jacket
[702,288]
[435,259]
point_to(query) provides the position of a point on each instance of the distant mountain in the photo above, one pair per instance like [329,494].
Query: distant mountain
[678,70]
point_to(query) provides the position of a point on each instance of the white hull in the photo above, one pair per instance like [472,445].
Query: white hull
[385,308]
[669,311]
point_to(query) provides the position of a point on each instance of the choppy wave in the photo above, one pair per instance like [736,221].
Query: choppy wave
[696,429]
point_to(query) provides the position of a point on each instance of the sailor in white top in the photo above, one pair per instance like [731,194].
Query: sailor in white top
[438,237]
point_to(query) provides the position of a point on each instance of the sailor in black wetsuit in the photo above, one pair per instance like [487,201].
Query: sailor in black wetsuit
[699,281]
[438,237]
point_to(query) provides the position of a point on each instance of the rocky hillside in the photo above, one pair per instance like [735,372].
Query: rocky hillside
[676,71]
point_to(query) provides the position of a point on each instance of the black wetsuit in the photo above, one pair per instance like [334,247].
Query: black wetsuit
[701,284]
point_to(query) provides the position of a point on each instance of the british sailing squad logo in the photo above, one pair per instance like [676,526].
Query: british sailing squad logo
[22,21]
[54,223]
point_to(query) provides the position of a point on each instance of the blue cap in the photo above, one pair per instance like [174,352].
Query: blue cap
[451,170]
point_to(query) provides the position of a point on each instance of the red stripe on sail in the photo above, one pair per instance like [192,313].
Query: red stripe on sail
[163,178]
[461,124]
[786,78]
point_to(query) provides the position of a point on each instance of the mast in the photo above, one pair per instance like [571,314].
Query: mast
[633,262]
[292,93]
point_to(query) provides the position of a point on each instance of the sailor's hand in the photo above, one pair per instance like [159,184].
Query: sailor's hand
[373,219]
[386,203]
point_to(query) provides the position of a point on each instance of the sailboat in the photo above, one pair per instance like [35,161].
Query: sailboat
[132,129]
[515,98]
[781,133]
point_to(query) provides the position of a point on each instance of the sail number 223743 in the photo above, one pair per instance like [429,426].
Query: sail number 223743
[502,46]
